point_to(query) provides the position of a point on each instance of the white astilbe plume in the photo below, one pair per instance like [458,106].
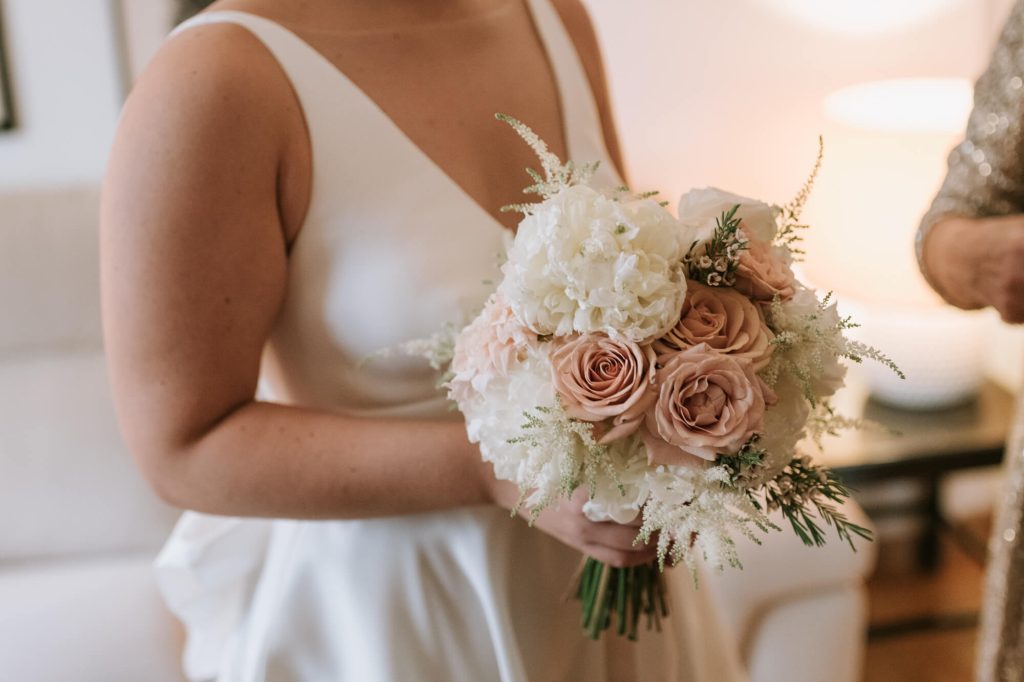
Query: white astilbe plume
[825,421]
[562,451]
[809,344]
[557,175]
[437,349]
[523,431]
[696,512]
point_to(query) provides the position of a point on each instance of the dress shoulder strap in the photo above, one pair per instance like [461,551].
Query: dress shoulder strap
[583,122]
[291,52]
[318,85]
[348,133]
[328,97]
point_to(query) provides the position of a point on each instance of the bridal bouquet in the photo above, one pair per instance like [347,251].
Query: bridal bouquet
[669,364]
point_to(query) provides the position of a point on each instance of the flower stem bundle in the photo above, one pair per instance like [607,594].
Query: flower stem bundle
[620,598]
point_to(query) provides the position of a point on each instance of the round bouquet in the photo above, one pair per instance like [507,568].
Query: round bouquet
[669,364]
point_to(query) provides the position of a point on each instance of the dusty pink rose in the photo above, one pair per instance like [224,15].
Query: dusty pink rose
[487,348]
[763,274]
[599,378]
[708,404]
[725,320]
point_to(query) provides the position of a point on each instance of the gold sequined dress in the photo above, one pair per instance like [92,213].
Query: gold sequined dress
[986,178]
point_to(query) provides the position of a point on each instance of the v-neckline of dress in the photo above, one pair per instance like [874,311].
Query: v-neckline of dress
[553,68]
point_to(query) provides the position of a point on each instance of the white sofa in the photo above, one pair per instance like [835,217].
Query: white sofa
[799,613]
[79,527]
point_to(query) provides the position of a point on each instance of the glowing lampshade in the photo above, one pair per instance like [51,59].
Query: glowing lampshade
[904,105]
[861,16]
[891,137]
[886,145]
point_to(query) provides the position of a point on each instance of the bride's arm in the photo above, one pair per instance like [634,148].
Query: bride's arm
[194,271]
[194,255]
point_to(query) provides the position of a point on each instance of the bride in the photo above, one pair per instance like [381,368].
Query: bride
[293,187]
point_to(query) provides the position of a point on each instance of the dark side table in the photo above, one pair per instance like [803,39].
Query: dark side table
[918,445]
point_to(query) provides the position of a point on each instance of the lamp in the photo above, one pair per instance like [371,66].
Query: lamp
[890,138]
[734,93]
[861,16]
[902,105]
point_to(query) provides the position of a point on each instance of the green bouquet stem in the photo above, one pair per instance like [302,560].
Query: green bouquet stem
[621,596]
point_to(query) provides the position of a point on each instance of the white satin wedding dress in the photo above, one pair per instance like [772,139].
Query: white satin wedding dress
[392,248]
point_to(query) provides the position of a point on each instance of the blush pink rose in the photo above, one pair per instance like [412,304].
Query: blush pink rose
[762,273]
[601,379]
[724,320]
[487,348]
[708,404]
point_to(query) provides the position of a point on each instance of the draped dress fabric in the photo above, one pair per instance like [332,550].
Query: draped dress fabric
[391,249]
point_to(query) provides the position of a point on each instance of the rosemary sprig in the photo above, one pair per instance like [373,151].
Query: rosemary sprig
[804,488]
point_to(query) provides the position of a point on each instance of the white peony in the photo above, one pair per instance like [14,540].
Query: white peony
[700,209]
[584,262]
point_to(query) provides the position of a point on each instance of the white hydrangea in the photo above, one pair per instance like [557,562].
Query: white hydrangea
[495,416]
[818,340]
[585,262]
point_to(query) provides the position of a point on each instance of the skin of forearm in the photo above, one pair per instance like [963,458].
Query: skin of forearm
[270,460]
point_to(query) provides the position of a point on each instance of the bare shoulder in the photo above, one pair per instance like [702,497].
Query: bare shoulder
[211,103]
[581,31]
[190,223]
[212,74]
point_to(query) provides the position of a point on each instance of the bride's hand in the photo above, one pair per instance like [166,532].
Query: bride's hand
[609,542]
[979,262]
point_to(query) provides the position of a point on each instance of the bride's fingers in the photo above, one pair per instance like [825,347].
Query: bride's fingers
[620,558]
[612,535]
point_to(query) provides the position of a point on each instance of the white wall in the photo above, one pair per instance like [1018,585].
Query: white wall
[146,23]
[67,92]
[721,92]
[731,91]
